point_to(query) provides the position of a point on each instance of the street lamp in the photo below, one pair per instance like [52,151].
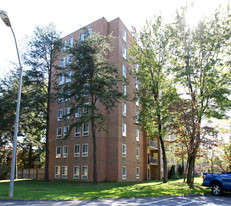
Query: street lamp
[6,20]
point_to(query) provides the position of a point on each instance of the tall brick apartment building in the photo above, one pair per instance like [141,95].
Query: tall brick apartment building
[124,153]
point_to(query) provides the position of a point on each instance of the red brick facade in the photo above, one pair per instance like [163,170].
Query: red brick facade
[110,158]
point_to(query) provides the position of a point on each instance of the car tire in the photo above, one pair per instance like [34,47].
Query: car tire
[217,189]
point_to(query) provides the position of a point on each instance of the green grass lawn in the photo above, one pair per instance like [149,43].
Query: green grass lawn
[69,190]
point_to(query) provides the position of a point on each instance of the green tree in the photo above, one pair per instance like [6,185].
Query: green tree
[93,81]
[200,64]
[42,50]
[151,52]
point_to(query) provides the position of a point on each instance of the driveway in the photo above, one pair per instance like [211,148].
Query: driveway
[144,201]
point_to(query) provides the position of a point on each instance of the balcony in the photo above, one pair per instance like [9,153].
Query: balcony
[153,144]
[153,161]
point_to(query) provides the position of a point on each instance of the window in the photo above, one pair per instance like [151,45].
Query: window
[66,130]
[65,151]
[67,112]
[123,150]
[76,172]
[64,172]
[137,100]
[57,171]
[77,150]
[77,131]
[123,172]
[124,129]
[89,32]
[68,76]
[85,129]
[68,95]
[62,63]
[124,90]
[85,150]
[81,37]
[85,108]
[78,112]
[60,114]
[137,173]
[60,100]
[137,84]
[64,44]
[61,79]
[124,35]
[124,109]
[137,135]
[69,60]
[84,172]
[58,152]
[86,89]
[137,153]
[124,52]
[59,132]
[124,71]
[137,117]
[137,68]
[70,42]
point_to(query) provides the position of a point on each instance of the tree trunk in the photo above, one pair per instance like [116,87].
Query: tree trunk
[47,127]
[165,168]
[191,160]
[95,180]
[30,155]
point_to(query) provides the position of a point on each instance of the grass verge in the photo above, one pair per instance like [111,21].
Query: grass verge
[69,190]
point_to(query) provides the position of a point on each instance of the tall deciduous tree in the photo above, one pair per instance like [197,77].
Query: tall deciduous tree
[43,48]
[151,52]
[201,64]
[94,85]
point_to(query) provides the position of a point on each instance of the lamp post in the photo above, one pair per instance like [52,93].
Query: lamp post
[6,20]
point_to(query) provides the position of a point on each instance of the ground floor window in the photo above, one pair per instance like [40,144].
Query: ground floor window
[76,172]
[57,171]
[137,173]
[124,172]
[64,172]
[84,172]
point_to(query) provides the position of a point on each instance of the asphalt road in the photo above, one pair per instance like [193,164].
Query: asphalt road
[144,201]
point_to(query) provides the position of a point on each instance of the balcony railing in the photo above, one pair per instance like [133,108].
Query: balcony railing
[152,143]
[153,160]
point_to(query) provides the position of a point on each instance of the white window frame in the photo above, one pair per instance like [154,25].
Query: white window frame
[60,100]
[124,150]
[86,109]
[78,133]
[124,71]
[89,33]
[137,153]
[137,117]
[137,68]
[70,43]
[124,52]
[82,172]
[84,153]
[124,109]
[61,79]
[64,45]
[124,129]
[124,90]
[59,136]
[137,135]
[81,37]
[137,100]
[85,132]
[68,93]
[65,151]
[63,62]
[124,172]
[137,84]
[69,60]
[137,173]
[86,91]
[77,154]
[124,35]
[68,76]
[60,114]
[57,171]
[67,112]
[78,112]
[58,154]
[76,176]
[65,130]
[64,172]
